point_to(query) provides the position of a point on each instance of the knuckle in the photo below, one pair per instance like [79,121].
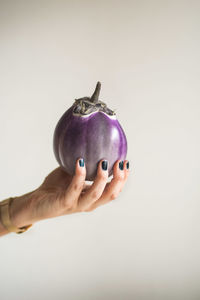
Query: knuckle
[73,205]
[77,186]
[120,179]
[102,177]
[95,195]
[68,205]
[113,196]
[81,209]
[89,209]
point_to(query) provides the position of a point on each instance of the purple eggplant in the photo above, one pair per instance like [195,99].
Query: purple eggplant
[89,130]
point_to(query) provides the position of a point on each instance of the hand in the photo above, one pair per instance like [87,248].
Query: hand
[62,194]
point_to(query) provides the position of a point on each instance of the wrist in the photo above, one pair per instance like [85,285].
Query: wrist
[20,210]
[3,230]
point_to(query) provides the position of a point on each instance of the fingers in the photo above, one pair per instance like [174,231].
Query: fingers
[120,175]
[74,189]
[94,192]
[80,197]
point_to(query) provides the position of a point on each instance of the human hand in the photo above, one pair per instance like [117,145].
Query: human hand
[62,194]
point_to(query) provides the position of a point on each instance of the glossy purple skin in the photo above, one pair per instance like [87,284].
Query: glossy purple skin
[93,138]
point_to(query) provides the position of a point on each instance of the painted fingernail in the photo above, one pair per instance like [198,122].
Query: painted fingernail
[121,165]
[104,165]
[127,165]
[81,162]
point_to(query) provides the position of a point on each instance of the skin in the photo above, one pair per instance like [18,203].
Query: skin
[62,194]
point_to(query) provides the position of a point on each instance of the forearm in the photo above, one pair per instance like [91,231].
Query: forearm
[20,212]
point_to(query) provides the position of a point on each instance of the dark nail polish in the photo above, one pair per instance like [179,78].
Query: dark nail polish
[127,165]
[121,165]
[81,162]
[104,165]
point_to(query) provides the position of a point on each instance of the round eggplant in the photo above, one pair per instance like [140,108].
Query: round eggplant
[89,130]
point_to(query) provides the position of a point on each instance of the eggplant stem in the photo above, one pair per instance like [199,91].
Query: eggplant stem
[95,96]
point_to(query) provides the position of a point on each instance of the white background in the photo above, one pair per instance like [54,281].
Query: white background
[145,244]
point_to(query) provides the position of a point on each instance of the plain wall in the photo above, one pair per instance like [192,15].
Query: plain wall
[145,244]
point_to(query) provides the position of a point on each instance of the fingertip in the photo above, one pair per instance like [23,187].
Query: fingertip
[81,162]
[103,165]
[118,165]
[118,170]
[126,168]
[103,168]
[80,166]
[126,165]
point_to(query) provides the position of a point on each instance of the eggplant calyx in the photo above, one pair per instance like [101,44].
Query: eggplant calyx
[88,105]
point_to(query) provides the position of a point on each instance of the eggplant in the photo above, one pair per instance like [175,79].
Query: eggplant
[89,130]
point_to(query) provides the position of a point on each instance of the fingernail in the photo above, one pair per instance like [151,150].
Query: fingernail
[104,165]
[121,165]
[81,162]
[127,165]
